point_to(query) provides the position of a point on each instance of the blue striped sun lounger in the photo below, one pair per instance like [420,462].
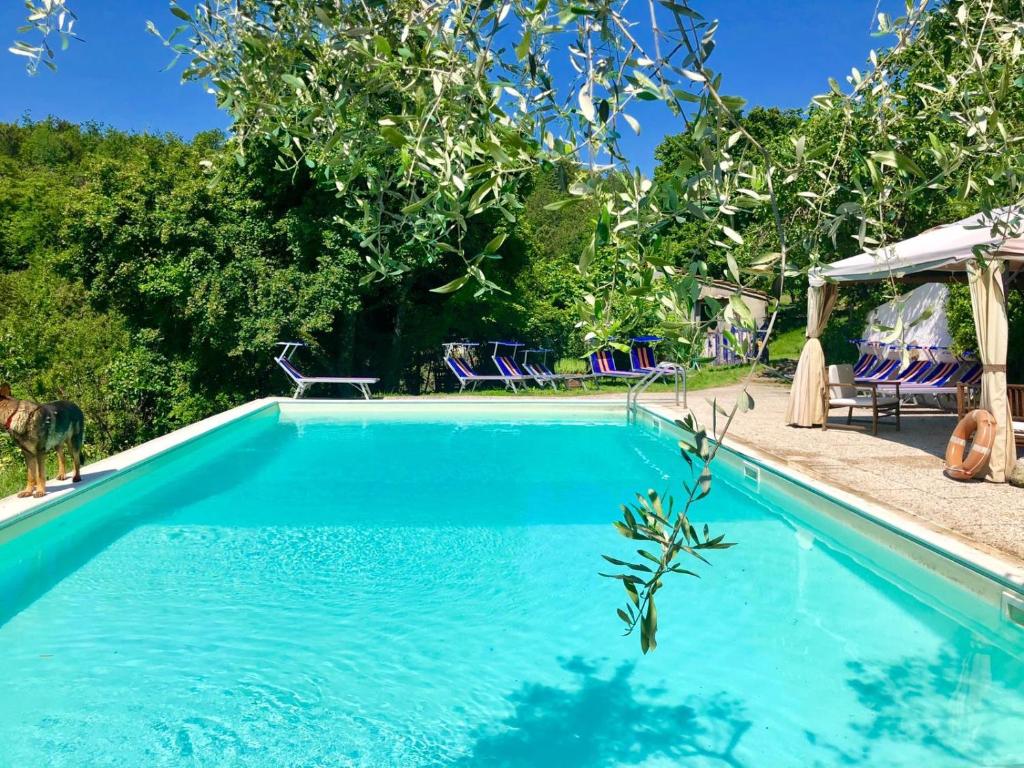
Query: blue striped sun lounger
[511,371]
[602,363]
[466,376]
[303,382]
[641,354]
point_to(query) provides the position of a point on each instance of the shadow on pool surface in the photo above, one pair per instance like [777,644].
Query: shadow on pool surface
[603,722]
[614,721]
[943,696]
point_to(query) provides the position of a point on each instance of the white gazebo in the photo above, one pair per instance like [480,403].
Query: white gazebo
[977,246]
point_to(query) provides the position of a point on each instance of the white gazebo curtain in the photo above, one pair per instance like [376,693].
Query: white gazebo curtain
[807,397]
[988,300]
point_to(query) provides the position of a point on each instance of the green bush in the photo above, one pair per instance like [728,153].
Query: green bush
[960,318]
[571,366]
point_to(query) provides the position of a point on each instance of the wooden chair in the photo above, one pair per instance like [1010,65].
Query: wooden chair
[844,392]
[967,400]
[1015,394]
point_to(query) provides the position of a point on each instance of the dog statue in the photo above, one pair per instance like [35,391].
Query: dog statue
[39,429]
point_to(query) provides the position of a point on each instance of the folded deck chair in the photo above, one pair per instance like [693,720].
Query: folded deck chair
[466,375]
[512,373]
[603,364]
[885,370]
[943,379]
[867,359]
[843,392]
[641,354]
[302,383]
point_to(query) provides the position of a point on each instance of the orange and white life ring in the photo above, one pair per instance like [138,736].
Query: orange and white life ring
[981,425]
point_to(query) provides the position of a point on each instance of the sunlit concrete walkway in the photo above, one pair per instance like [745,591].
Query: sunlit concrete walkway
[900,470]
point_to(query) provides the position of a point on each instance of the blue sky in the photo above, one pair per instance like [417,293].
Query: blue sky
[772,52]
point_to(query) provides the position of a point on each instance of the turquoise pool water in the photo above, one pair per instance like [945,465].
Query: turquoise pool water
[422,590]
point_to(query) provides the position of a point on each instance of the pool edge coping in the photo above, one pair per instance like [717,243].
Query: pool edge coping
[1000,567]
[98,473]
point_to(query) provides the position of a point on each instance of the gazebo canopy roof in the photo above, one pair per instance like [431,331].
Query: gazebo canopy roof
[939,251]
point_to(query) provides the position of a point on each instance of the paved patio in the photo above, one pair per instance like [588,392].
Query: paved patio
[899,470]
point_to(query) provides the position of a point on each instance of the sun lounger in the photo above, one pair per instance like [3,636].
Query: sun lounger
[507,365]
[874,366]
[512,372]
[302,382]
[929,371]
[943,380]
[868,359]
[539,369]
[543,370]
[467,376]
[602,363]
[534,371]
[887,370]
[641,354]
[904,375]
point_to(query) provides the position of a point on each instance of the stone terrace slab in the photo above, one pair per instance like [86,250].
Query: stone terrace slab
[898,470]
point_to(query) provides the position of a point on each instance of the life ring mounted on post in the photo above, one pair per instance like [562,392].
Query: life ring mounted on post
[981,425]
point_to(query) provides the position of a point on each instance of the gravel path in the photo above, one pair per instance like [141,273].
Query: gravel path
[900,470]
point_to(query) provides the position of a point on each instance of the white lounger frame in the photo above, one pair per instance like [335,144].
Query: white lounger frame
[302,383]
[449,349]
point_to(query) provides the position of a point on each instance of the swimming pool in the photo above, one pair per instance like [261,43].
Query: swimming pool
[417,586]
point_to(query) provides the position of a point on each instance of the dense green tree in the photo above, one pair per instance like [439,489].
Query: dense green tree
[153,293]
